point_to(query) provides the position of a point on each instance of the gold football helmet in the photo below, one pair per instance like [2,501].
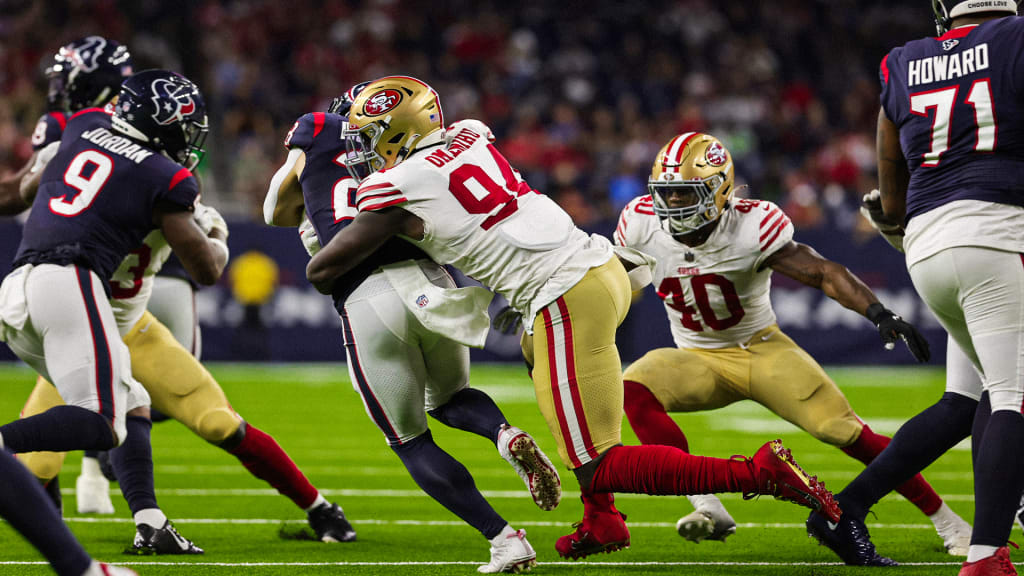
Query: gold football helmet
[390,118]
[697,171]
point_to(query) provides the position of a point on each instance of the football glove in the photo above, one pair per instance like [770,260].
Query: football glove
[308,236]
[507,320]
[871,208]
[891,326]
[209,220]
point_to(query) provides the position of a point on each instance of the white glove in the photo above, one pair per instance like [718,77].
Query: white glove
[308,236]
[871,208]
[209,220]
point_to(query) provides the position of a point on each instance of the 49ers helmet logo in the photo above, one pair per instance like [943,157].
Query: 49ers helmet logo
[716,154]
[173,101]
[382,102]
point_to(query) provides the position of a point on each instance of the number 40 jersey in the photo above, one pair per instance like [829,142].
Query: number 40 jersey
[716,294]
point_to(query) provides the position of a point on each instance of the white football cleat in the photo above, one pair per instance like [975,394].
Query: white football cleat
[954,530]
[520,450]
[92,495]
[510,552]
[710,520]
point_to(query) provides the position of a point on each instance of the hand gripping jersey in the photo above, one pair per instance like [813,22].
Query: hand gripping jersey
[716,294]
[480,216]
[97,196]
[329,193]
[956,101]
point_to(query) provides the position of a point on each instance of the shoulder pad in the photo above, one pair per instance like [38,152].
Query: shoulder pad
[305,129]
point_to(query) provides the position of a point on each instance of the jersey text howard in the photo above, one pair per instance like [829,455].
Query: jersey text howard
[117,144]
[947,66]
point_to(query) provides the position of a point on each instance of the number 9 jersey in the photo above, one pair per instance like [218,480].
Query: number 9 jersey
[97,197]
[716,294]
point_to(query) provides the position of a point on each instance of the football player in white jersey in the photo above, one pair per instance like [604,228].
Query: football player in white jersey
[715,256]
[455,196]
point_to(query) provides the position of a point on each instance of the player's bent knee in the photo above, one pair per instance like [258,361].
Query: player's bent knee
[839,432]
[43,465]
[216,426]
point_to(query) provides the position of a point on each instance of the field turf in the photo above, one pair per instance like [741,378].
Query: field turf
[315,415]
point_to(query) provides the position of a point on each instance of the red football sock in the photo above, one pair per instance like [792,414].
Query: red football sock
[667,470]
[264,459]
[649,420]
[917,489]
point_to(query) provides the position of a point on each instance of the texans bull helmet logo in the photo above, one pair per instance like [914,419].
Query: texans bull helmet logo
[87,55]
[173,101]
[382,102]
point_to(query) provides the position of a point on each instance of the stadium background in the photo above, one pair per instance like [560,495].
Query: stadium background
[580,94]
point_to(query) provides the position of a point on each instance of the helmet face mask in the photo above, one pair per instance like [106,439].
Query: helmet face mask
[362,158]
[691,183]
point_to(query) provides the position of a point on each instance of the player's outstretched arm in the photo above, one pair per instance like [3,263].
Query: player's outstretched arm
[204,257]
[803,264]
[367,232]
[893,174]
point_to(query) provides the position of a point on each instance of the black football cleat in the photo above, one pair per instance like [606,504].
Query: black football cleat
[848,538]
[330,524]
[166,540]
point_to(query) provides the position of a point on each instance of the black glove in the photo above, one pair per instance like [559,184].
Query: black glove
[891,326]
[507,321]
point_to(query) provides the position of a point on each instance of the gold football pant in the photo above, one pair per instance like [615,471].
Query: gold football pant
[577,374]
[178,384]
[770,370]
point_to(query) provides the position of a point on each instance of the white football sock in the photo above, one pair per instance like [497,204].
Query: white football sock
[979,552]
[91,467]
[320,501]
[155,517]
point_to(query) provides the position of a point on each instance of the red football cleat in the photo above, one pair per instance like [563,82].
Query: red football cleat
[598,532]
[996,565]
[779,475]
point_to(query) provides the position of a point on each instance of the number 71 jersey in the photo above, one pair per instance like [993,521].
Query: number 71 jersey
[716,294]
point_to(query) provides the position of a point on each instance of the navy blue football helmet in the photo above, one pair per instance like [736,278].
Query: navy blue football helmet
[85,73]
[342,104]
[165,111]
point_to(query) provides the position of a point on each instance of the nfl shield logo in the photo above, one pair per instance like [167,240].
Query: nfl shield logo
[422,300]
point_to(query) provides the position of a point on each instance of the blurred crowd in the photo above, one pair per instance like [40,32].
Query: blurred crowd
[581,95]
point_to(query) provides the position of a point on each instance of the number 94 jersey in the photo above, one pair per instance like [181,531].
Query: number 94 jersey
[716,294]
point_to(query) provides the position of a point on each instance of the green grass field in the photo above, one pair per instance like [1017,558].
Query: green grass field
[317,417]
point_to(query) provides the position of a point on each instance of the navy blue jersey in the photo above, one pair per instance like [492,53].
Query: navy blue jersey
[330,196]
[48,129]
[97,197]
[956,100]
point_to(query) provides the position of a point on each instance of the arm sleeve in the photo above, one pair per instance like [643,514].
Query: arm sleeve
[282,192]
[48,130]
[376,193]
[885,77]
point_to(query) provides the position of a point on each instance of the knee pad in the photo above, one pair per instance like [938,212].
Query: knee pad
[43,465]
[217,425]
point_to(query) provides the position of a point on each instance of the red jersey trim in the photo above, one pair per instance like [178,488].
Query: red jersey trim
[318,122]
[382,205]
[178,177]
[958,32]
[61,119]
[87,111]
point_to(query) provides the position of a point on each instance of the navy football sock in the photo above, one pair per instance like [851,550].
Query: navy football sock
[133,464]
[981,417]
[24,504]
[471,410]
[59,429]
[448,482]
[917,444]
[998,473]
